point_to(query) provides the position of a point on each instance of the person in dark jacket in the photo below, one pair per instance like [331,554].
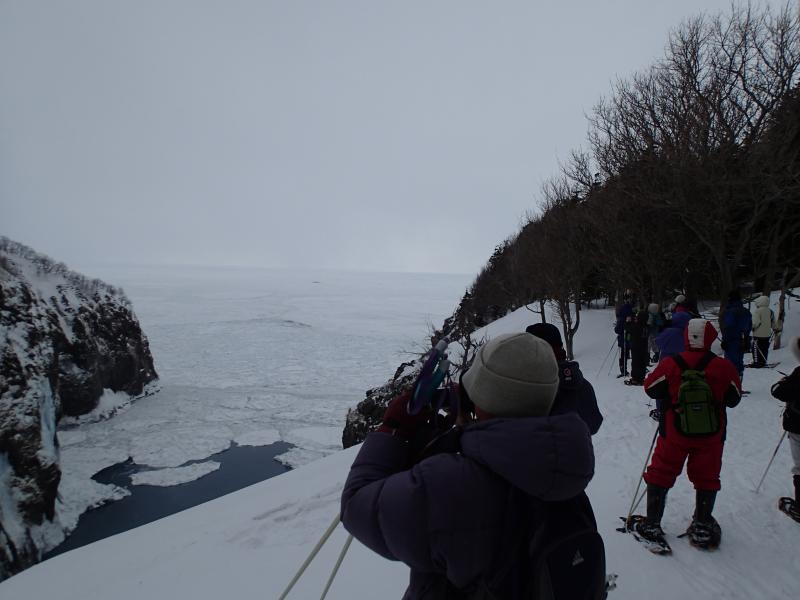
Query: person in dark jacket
[449,517]
[655,325]
[670,341]
[788,390]
[637,336]
[624,316]
[673,448]
[575,394]
[737,322]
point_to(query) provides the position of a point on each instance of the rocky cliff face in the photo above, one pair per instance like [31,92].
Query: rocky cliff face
[64,339]
[367,415]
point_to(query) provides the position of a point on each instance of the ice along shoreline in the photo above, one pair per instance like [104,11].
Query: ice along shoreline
[228,471]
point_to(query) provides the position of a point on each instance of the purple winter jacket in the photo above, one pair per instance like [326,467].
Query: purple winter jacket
[450,516]
[670,341]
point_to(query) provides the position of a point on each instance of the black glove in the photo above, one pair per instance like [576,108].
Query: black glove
[397,420]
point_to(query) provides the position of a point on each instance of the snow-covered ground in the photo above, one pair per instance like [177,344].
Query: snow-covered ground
[250,543]
[252,356]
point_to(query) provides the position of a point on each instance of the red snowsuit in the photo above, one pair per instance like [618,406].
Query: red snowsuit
[673,448]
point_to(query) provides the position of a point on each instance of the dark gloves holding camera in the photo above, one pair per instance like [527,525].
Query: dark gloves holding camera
[397,421]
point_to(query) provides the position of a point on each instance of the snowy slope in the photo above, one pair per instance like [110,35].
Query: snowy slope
[248,544]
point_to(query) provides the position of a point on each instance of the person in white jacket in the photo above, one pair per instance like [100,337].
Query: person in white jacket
[763,326]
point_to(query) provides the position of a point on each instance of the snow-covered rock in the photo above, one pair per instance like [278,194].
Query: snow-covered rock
[367,415]
[65,341]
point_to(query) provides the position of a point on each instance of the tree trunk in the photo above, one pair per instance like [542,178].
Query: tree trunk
[574,330]
[781,311]
[772,266]
[565,316]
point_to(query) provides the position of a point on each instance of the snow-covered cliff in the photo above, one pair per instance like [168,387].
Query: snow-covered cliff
[64,339]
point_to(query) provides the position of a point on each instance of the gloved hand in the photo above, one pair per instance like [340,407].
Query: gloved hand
[397,421]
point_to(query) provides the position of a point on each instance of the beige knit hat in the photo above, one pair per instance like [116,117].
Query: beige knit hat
[513,375]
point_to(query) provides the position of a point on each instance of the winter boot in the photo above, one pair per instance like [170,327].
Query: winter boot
[704,531]
[650,528]
[647,530]
[789,506]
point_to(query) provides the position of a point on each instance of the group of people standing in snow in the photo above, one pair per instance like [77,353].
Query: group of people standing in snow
[646,334]
[692,429]
[460,508]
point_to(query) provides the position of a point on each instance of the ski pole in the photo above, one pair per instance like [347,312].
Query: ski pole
[758,349]
[641,478]
[336,566]
[314,552]
[606,358]
[769,464]
[611,365]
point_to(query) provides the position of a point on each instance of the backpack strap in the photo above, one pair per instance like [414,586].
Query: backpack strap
[704,362]
[682,365]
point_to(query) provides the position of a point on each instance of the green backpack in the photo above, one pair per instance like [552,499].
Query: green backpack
[696,412]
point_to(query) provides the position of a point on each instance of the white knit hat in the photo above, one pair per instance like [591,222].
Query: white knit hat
[680,298]
[513,375]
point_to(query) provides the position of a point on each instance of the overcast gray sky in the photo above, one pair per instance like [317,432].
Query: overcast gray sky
[407,136]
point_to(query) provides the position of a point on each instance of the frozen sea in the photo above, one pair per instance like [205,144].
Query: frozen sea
[251,357]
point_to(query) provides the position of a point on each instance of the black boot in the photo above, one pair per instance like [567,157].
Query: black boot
[791,506]
[650,527]
[704,505]
[656,501]
[704,532]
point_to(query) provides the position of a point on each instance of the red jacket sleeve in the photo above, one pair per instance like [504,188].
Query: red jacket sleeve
[724,381]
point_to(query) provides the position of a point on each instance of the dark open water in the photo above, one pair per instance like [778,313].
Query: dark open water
[240,466]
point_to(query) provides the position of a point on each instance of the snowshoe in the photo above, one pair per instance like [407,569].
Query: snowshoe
[621,375]
[790,507]
[705,536]
[655,414]
[633,381]
[650,536]
[771,365]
